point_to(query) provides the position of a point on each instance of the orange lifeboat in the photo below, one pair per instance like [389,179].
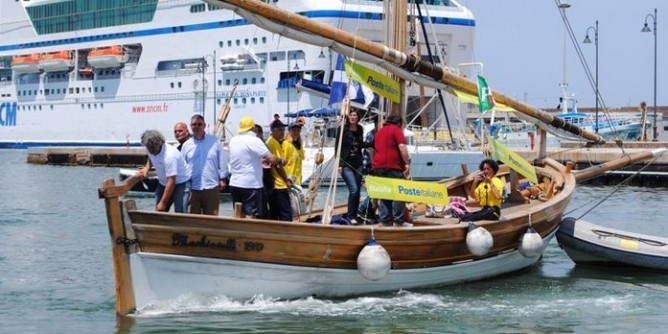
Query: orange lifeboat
[25,64]
[108,57]
[56,61]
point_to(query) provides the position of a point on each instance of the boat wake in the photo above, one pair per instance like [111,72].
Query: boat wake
[402,302]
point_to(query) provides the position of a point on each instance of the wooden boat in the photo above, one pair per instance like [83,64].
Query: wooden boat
[161,256]
[591,244]
[56,61]
[26,64]
[108,57]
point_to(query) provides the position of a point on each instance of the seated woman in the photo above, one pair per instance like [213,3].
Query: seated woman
[487,190]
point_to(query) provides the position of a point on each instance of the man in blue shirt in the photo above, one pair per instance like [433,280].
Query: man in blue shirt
[204,154]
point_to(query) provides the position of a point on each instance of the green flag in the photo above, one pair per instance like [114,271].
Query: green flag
[485,98]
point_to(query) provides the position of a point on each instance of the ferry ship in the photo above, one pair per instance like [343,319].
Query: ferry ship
[100,72]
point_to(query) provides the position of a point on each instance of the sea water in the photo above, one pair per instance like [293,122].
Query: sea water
[57,277]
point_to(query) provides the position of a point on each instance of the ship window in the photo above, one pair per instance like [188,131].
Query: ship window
[40,107]
[229,43]
[261,99]
[18,93]
[246,42]
[102,88]
[89,90]
[78,90]
[243,100]
[179,84]
[227,82]
[220,44]
[252,100]
[238,42]
[96,88]
[245,81]
[253,80]
[51,107]
[71,90]
[197,8]
[34,92]
[264,39]
[220,82]
[171,85]
[89,106]
[236,100]
[49,17]
[255,40]
[83,106]
[262,80]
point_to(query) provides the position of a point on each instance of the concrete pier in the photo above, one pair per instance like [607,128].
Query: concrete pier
[656,174]
[88,156]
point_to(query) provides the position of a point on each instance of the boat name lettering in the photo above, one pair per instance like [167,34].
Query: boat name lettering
[381,85]
[245,93]
[181,240]
[8,114]
[420,192]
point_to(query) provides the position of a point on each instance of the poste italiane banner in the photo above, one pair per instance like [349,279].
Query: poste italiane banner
[406,191]
[378,82]
[513,160]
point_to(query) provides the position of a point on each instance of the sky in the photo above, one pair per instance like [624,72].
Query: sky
[520,43]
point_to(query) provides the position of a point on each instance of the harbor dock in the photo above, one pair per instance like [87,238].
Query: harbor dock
[654,174]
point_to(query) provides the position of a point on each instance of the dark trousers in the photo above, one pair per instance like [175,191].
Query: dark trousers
[250,199]
[279,205]
[386,206]
[486,213]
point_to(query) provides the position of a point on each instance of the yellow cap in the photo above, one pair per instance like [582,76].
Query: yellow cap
[246,124]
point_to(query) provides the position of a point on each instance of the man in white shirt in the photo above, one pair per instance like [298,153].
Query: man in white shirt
[204,154]
[173,172]
[246,154]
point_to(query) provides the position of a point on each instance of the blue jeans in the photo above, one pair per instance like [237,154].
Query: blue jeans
[180,197]
[353,179]
[386,206]
[250,199]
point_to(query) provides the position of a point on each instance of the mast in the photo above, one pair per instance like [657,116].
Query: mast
[395,32]
[298,27]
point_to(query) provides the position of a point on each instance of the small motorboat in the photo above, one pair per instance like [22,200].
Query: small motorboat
[144,188]
[591,244]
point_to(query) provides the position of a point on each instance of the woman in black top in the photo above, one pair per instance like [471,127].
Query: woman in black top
[350,162]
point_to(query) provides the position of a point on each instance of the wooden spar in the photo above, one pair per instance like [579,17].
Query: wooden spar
[594,171]
[125,301]
[409,63]
[222,115]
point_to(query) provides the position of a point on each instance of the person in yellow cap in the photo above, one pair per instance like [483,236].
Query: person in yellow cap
[246,154]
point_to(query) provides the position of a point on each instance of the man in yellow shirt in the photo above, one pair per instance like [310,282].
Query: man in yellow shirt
[294,153]
[279,199]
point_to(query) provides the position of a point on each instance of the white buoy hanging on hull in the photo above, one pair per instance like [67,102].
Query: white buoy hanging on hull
[373,262]
[478,240]
[531,244]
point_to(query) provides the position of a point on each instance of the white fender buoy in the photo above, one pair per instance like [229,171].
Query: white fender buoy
[531,244]
[478,240]
[373,261]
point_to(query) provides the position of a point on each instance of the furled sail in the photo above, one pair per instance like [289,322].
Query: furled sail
[298,27]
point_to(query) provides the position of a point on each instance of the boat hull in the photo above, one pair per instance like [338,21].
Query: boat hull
[591,244]
[160,277]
